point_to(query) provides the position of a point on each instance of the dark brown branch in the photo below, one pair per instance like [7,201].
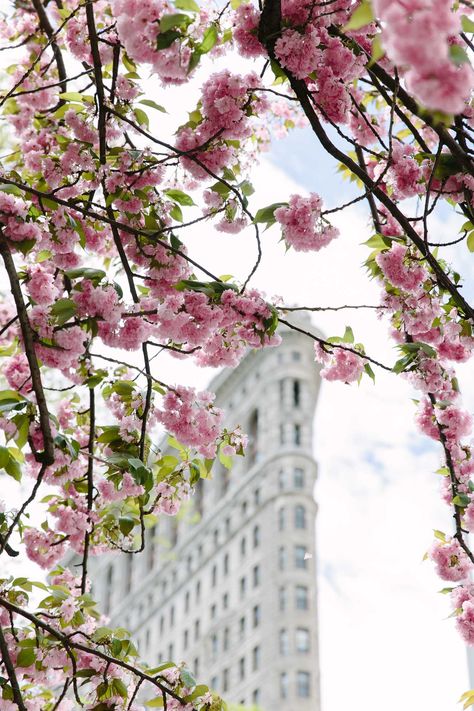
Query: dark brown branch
[10,669]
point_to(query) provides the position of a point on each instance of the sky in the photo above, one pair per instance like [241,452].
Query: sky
[385,637]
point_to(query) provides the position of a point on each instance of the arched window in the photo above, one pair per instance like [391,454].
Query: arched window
[281,519]
[256,536]
[252,451]
[284,643]
[296,393]
[300,516]
[297,434]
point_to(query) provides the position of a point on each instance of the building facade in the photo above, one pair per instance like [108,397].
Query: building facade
[230,586]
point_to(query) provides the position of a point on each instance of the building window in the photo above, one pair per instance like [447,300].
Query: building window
[256,497]
[170,652]
[196,629]
[282,558]
[281,387]
[296,393]
[303,684]
[283,685]
[298,478]
[214,683]
[147,638]
[213,611]
[109,579]
[225,601]
[196,666]
[297,434]
[256,697]
[256,576]
[300,517]
[242,668]
[225,639]
[244,509]
[185,639]
[214,646]
[302,602]
[242,627]
[243,546]
[300,557]
[162,624]
[281,479]
[281,519]
[151,550]
[226,564]
[200,551]
[172,615]
[295,355]
[302,640]
[216,537]
[225,680]
[256,615]
[255,658]
[284,643]
[256,536]
[282,598]
[243,585]
[186,601]
[214,576]
[198,591]
[128,573]
[227,526]
[189,563]
[282,434]
[252,431]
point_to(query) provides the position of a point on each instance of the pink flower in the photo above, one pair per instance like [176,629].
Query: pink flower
[450,560]
[340,364]
[192,418]
[302,225]
[408,276]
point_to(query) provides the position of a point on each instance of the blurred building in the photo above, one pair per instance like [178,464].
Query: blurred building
[230,587]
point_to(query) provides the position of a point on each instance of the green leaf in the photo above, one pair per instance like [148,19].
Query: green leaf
[458,54]
[169,22]
[189,5]
[265,214]
[209,40]
[26,657]
[187,678]
[470,241]
[126,525]
[179,196]
[63,310]
[176,213]
[12,468]
[461,500]
[142,117]
[377,50]
[369,371]
[362,16]
[348,336]
[156,703]
[467,24]
[4,457]
[86,273]
[247,188]
[153,105]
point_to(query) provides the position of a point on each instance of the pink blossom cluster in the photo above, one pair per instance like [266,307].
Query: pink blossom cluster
[339,363]
[451,561]
[193,419]
[302,225]
[228,103]
[138,27]
[430,73]
[246,20]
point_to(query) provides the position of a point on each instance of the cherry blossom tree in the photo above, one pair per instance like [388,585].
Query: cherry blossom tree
[95,208]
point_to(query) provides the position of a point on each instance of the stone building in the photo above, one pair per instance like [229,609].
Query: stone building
[230,587]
